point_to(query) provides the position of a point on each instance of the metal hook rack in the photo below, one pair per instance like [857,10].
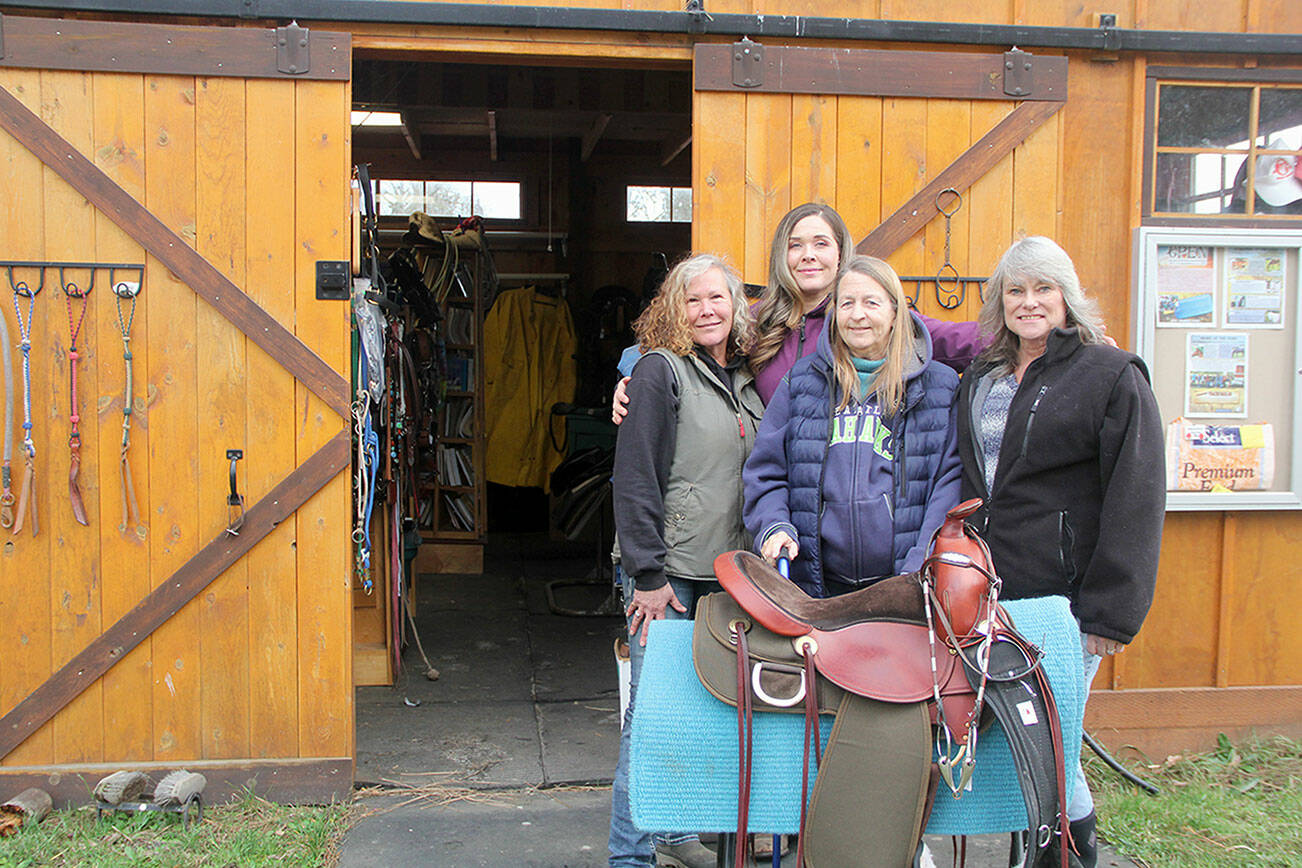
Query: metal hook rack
[71,288]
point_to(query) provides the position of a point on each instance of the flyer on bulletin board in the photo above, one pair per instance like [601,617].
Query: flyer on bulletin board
[1186,286]
[1219,458]
[1254,288]
[1216,375]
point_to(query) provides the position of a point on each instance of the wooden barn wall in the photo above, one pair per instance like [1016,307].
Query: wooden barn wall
[1215,622]
[254,174]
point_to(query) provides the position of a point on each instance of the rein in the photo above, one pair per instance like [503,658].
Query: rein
[71,291]
[25,500]
[126,292]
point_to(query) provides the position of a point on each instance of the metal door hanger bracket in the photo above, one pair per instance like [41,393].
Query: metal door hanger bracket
[747,63]
[293,45]
[1017,73]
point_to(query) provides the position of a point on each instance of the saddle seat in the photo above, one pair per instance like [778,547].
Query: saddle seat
[873,642]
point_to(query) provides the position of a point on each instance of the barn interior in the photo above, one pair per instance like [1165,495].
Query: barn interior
[581,175]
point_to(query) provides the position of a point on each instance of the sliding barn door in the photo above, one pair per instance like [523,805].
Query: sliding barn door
[877,135]
[220,164]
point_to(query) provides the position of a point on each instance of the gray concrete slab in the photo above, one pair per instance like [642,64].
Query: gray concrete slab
[580,740]
[573,658]
[492,590]
[552,828]
[474,742]
[531,829]
[481,655]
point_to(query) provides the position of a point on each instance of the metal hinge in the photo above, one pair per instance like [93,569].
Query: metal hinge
[747,63]
[1017,73]
[292,45]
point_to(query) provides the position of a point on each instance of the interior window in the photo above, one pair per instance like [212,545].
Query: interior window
[496,200]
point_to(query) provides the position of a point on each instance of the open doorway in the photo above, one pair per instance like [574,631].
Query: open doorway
[582,178]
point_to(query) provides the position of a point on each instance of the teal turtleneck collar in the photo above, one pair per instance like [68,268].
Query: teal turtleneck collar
[867,369]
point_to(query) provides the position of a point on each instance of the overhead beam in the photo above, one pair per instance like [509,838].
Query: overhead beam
[412,134]
[699,23]
[593,135]
[673,148]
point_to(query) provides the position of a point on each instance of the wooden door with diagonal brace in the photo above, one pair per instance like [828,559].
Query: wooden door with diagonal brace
[876,134]
[222,167]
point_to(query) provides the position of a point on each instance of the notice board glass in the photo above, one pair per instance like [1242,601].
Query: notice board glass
[1218,321]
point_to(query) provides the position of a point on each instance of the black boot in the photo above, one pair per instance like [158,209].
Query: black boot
[1085,836]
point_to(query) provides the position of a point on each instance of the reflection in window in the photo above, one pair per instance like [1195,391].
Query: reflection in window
[496,200]
[659,204]
[1231,149]
[400,197]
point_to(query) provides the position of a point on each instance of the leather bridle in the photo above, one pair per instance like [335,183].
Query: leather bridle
[26,502]
[70,292]
[125,293]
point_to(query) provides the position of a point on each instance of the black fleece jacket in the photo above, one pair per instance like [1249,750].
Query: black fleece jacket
[1079,494]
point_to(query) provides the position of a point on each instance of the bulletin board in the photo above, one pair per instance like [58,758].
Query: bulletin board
[1218,325]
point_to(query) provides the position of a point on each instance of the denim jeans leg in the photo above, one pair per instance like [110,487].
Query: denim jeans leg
[1080,801]
[629,846]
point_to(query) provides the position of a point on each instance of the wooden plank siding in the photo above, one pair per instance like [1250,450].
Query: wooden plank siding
[1072,179]
[253,175]
[26,601]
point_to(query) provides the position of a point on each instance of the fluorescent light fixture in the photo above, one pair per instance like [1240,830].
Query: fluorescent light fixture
[377,119]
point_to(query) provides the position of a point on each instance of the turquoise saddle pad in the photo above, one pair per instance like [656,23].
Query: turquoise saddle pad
[683,775]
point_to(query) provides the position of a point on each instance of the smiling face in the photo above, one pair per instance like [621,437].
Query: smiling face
[865,315]
[1033,307]
[813,257]
[709,312]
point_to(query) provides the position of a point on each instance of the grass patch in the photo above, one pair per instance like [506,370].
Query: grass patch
[249,832]
[1238,805]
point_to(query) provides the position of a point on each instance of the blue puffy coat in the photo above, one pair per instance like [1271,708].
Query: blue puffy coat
[785,473]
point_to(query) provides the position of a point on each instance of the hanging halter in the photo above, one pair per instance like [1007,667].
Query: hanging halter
[124,294]
[72,291]
[25,500]
[6,471]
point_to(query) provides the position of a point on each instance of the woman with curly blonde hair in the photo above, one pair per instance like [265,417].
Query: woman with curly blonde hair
[677,481]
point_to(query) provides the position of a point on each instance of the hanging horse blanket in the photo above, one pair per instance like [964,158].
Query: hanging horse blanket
[529,349]
[683,775]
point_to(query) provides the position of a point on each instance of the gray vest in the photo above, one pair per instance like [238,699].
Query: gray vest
[703,497]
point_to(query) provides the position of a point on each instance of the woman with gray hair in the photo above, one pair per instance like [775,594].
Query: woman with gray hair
[1059,434]
[677,484]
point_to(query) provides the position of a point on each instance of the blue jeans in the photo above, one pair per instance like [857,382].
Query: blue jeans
[1080,802]
[630,847]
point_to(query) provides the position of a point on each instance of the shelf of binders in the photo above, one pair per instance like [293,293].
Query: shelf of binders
[452,488]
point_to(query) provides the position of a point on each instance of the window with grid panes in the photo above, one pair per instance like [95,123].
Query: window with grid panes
[1226,150]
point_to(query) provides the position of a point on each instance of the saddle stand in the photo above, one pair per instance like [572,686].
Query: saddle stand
[909,667]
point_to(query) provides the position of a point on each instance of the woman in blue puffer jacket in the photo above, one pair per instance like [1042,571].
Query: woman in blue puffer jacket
[856,460]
